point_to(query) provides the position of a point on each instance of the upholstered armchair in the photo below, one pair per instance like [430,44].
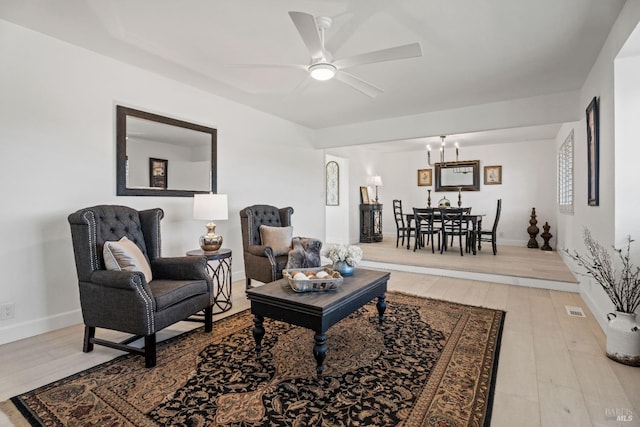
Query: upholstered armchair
[129,287]
[262,262]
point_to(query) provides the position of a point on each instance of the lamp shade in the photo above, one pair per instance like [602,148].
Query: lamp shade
[376,180]
[210,206]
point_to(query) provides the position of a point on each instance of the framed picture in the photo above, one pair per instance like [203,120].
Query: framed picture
[364,195]
[424,177]
[593,153]
[158,169]
[492,175]
[332,183]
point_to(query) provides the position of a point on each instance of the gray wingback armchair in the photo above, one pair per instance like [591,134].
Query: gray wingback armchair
[259,260]
[123,300]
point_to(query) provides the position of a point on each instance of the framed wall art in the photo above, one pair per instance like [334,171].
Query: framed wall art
[593,153]
[425,177]
[364,195]
[158,171]
[492,175]
[332,177]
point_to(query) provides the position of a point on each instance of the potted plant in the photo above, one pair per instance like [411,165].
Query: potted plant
[344,257]
[623,288]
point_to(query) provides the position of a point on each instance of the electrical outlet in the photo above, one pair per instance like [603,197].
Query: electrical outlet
[7,311]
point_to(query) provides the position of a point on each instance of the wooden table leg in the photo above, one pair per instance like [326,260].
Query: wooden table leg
[320,350]
[381,306]
[258,332]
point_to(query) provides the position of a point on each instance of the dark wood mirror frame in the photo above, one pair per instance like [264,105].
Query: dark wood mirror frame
[473,183]
[121,153]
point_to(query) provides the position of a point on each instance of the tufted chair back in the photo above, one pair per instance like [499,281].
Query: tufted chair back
[252,217]
[92,227]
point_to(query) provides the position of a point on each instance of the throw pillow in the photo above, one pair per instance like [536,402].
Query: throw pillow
[278,238]
[124,255]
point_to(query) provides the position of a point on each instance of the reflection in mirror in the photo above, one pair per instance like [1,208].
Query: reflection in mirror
[161,156]
[458,175]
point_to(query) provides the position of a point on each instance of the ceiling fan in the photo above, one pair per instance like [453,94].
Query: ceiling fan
[322,66]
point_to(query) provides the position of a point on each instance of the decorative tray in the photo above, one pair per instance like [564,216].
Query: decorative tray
[330,282]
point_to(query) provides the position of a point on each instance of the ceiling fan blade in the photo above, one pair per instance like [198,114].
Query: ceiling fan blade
[308,29]
[391,54]
[299,89]
[297,66]
[358,84]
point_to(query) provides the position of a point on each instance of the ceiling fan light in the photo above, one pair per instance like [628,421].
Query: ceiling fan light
[322,71]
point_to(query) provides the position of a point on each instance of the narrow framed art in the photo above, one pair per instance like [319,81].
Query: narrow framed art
[424,177]
[593,153]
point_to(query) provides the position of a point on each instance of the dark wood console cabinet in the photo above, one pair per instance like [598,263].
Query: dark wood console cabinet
[370,223]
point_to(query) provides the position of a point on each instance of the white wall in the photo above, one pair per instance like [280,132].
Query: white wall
[627,153]
[337,217]
[57,155]
[362,164]
[600,220]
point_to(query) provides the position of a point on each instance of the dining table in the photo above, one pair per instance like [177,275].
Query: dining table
[474,219]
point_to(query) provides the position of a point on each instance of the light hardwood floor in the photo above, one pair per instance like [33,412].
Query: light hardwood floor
[552,369]
[514,261]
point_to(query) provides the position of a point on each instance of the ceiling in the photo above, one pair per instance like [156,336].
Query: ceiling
[474,51]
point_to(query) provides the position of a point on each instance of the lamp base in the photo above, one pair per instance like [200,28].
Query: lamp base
[211,241]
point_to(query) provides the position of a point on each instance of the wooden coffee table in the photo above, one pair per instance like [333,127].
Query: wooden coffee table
[317,311]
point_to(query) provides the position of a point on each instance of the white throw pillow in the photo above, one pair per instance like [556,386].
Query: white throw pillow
[124,255]
[278,238]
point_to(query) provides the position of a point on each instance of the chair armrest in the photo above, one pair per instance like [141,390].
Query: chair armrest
[263,251]
[118,279]
[258,250]
[180,268]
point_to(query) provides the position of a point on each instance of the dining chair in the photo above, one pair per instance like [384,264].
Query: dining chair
[403,230]
[490,235]
[454,224]
[423,220]
[466,211]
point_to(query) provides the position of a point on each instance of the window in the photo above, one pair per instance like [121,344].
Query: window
[565,175]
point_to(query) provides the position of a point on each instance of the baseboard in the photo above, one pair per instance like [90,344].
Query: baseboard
[39,326]
[599,314]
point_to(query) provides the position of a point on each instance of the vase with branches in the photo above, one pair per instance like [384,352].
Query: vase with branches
[622,286]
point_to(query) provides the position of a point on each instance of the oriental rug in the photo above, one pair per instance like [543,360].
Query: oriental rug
[430,363]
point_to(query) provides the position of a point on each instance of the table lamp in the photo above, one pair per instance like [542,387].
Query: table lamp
[210,207]
[376,181]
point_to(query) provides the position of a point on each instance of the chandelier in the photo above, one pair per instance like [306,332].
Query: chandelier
[442,147]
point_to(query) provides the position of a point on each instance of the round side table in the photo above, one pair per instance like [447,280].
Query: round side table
[221,275]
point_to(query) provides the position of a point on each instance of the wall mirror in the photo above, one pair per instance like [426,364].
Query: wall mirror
[452,176]
[161,156]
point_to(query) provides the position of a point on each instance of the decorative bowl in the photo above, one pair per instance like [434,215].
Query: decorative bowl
[313,284]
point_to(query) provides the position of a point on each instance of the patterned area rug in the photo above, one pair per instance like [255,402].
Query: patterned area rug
[431,363]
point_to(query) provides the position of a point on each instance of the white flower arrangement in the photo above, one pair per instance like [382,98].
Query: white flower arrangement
[350,254]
